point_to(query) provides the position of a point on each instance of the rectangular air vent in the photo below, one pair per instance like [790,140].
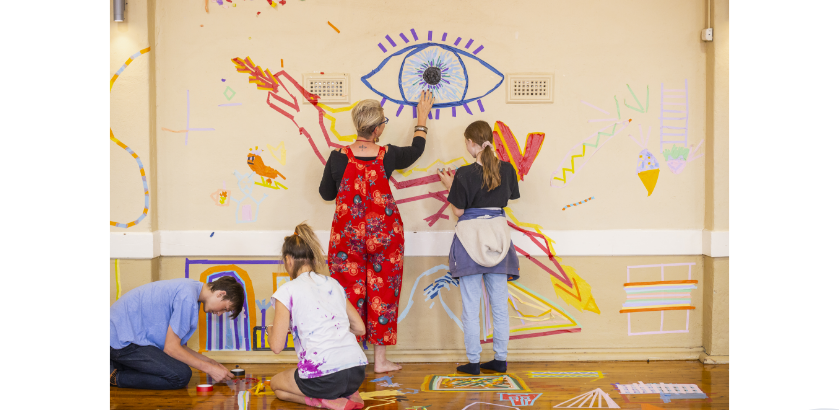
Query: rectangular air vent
[330,87]
[530,88]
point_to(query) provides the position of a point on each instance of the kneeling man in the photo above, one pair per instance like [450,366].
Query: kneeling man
[151,324]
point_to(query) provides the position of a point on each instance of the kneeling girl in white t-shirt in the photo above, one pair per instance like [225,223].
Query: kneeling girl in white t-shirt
[323,324]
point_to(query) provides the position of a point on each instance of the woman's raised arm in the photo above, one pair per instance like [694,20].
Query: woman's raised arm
[423,108]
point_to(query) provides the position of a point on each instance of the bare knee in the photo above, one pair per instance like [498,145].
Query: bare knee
[275,383]
[283,395]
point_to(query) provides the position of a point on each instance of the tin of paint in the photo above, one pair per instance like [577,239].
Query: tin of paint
[238,372]
[204,387]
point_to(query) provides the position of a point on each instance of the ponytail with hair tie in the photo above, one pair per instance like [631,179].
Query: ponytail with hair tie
[304,249]
[480,133]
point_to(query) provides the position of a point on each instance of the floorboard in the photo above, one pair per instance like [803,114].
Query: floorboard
[711,379]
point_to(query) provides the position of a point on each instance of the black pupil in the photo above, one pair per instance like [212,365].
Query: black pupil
[432,75]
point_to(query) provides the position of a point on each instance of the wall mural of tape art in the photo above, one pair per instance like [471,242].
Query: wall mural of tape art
[673,145]
[219,332]
[670,294]
[287,97]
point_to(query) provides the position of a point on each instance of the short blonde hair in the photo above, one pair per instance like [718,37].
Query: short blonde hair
[366,116]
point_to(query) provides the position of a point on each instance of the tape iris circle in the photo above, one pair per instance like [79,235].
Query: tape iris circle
[434,69]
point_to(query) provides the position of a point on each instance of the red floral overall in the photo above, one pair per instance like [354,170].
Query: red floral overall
[366,245]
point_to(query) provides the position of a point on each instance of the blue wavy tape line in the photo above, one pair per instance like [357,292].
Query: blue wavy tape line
[414,289]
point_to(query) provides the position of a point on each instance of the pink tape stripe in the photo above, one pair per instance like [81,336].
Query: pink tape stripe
[657,295]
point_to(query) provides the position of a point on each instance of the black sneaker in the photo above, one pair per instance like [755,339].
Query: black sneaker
[495,365]
[470,368]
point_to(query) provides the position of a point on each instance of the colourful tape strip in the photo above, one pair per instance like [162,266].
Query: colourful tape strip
[133,154]
[127,62]
[116,273]
[656,309]
[662,282]
[578,203]
[145,185]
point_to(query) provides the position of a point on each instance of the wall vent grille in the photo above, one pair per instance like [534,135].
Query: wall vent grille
[530,88]
[330,87]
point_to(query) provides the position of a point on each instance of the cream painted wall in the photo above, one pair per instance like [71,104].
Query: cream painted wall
[594,49]
[720,114]
[716,297]
[716,189]
[132,273]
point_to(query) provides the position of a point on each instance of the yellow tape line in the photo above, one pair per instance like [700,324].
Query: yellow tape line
[116,270]
[332,120]
[412,170]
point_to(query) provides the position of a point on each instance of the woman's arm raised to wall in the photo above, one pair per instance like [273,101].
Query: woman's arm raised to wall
[327,185]
[424,104]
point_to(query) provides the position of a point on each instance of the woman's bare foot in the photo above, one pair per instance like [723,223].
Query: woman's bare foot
[385,366]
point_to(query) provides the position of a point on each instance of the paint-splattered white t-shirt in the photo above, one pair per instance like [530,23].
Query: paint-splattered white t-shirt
[319,325]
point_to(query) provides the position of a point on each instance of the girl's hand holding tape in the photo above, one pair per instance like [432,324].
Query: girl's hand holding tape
[446,177]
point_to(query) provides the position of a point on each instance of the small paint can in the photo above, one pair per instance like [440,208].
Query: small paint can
[204,387]
[238,372]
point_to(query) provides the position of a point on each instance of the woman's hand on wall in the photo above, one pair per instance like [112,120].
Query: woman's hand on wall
[424,104]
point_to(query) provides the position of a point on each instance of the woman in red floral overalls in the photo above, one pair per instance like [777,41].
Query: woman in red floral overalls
[367,242]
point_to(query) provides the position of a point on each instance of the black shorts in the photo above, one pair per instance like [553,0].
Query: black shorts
[332,386]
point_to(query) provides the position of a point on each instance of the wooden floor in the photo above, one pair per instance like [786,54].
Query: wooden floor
[711,379]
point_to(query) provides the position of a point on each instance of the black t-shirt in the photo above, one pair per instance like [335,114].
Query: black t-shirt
[467,191]
[395,158]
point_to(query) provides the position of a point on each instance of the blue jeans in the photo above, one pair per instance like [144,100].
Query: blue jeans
[470,291]
[147,367]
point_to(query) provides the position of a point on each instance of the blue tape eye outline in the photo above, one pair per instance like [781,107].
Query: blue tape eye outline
[417,48]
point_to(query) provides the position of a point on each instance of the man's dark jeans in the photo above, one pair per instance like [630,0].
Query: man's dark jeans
[147,367]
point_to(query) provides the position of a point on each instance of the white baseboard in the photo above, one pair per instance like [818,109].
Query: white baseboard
[513,355]
[715,243]
[147,245]
[133,245]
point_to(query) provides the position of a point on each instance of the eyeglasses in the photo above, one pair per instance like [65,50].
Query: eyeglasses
[385,122]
